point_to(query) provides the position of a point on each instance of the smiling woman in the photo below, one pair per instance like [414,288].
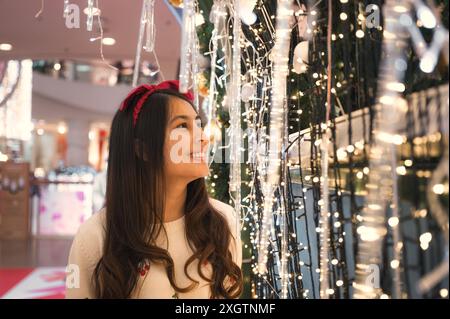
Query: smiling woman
[159,234]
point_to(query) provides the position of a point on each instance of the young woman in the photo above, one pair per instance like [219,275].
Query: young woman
[159,234]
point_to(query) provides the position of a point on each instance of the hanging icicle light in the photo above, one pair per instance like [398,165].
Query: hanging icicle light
[147,26]
[66,8]
[277,116]
[382,187]
[189,51]
[234,100]
[90,15]
[150,31]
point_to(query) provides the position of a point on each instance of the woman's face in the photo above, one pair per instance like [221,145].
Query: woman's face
[186,144]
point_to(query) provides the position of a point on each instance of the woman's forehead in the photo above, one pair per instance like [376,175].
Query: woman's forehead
[181,107]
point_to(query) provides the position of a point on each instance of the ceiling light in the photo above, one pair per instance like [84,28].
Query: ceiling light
[109,41]
[5,47]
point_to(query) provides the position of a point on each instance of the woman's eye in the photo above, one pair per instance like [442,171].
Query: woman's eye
[182,125]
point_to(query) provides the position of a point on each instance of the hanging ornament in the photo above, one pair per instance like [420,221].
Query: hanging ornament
[300,19]
[246,13]
[203,62]
[203,89]
[301,53]
[90,15]
[199,19]
[247,5]
[146,24]
[176,3]
[247,92]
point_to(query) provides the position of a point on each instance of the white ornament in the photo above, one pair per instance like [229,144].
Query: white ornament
[203,62]
[246,13]
[248,91]
[301,58]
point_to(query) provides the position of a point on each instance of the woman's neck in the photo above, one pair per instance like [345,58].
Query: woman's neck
[175,201]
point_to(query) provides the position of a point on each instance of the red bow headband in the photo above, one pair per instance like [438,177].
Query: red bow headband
[148,90]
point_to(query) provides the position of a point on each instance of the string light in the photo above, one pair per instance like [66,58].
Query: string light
[259,56]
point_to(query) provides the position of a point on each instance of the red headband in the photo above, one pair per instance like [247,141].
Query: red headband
[149,90]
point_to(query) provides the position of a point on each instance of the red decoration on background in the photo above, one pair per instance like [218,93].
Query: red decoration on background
[102,135]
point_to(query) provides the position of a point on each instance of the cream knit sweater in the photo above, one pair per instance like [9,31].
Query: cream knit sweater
[87,248]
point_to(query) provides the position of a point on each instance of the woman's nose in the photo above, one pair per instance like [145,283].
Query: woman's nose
[204,139]
[201,139]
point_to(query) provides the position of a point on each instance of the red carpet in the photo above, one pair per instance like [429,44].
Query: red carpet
[32,283]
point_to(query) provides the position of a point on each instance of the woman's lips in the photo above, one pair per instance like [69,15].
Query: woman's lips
[198,156]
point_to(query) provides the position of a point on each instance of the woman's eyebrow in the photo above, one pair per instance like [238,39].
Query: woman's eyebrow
[184,117]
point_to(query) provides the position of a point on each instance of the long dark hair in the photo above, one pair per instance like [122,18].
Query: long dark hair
[135,206]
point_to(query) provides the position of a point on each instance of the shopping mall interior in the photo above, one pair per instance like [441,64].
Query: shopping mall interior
[55,127]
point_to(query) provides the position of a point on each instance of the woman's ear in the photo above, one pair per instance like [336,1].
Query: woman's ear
[139,150]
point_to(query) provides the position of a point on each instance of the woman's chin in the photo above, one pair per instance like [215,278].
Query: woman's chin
[196,171]
[203,170]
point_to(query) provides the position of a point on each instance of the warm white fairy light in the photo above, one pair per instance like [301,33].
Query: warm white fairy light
[383,161]
[234,98]
[394,139]
[360,34]
[439,189]
[277,114]
[324,234]
[401,170]
[429,58]
[393,221]
[218,13]
[395,264]
[428,54]
[408,163]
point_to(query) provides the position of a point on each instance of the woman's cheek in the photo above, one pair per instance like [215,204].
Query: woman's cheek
[178,148]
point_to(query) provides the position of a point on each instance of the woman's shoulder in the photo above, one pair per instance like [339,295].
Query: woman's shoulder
[94,225]
[91,234]
[227,210]
[234,222]
[221,206]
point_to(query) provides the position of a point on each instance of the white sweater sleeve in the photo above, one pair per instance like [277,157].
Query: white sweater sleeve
[236,242]
[83,258]
[232,217]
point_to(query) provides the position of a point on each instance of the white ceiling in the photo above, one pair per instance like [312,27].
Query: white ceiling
[47,37]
